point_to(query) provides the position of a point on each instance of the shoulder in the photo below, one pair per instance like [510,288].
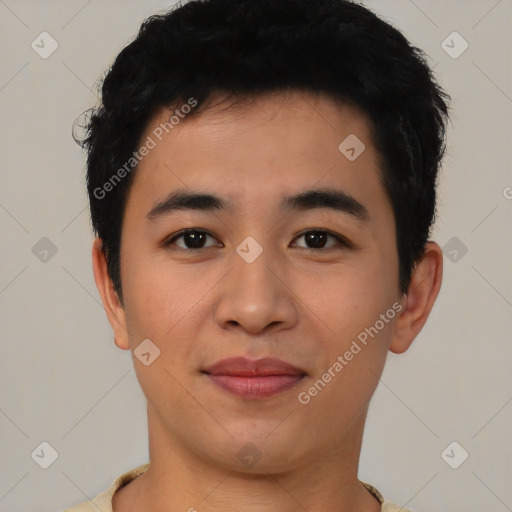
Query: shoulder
[386,506]
[103,501]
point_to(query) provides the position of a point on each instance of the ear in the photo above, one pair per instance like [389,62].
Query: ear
[419,299]
[111,303]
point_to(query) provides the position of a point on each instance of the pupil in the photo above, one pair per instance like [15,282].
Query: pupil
[314,238]
[195,239]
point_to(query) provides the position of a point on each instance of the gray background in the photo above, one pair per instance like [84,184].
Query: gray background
[63,381]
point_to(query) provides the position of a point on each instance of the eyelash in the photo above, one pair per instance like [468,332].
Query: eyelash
[344,242]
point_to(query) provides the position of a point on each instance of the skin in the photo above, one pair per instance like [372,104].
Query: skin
[302,306]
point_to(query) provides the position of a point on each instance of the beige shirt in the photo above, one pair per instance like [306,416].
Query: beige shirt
[103,502]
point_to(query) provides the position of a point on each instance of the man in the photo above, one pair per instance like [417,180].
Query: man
[261,176]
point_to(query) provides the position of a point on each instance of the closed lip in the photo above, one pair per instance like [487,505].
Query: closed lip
[243,367]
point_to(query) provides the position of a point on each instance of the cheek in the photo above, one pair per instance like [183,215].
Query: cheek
[348,308]
[355,344]
[154,300]
[351,298]
[163,302]
[160,307]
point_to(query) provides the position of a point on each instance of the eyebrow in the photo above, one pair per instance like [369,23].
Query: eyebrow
[308,200]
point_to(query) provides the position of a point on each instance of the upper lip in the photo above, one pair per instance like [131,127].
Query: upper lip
[243,367]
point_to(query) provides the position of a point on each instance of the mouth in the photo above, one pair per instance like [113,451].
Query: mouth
[257,379]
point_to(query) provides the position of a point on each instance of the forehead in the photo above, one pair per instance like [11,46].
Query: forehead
[252,151]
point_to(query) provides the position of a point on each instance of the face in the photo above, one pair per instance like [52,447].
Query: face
[266,269]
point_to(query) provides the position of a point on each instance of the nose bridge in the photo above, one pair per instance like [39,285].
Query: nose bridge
[253,277]
[255,295]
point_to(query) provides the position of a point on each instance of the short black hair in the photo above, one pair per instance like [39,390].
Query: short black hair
[249,48]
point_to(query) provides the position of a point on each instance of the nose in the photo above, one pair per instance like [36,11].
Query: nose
[257,296]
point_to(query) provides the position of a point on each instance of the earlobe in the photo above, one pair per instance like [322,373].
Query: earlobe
[423,291]
[111,303]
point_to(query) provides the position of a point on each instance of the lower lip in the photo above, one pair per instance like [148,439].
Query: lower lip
[256,387]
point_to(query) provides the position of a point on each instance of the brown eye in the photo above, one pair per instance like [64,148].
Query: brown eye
[317,239]
[193,239]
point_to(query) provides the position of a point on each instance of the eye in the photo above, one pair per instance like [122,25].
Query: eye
[317,238]
[193,239]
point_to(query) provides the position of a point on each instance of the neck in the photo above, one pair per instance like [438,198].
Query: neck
[180,478]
